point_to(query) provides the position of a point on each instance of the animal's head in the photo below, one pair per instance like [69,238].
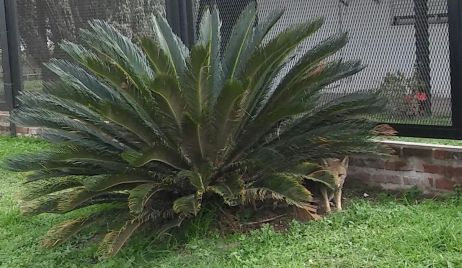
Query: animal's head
[338,168]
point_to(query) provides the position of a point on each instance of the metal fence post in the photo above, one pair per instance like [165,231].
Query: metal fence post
[455,52]
[11,58]
[180,17]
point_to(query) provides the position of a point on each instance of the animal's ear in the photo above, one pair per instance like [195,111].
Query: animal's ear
[324,162]
[345,161]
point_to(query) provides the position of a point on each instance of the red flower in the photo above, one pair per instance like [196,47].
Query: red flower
[421,96]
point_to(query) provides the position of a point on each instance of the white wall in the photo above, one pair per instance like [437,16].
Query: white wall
[381,46]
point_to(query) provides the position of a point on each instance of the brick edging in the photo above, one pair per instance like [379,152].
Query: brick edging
[433,169]
[21,131]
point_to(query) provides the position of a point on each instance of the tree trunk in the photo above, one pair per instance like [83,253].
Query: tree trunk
[422,61]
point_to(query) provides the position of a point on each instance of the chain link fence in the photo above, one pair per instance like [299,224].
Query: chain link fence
[43,24]
[404,43]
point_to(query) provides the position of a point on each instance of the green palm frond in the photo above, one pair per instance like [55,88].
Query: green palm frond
[231,189]
[170,44]
[69,199]
[105,40]
[65,230]
[187,205]
[159,153]
[114,240]
[285,186]
[160,129]
[239,45]
[140,195]
[104,182]
[48,186]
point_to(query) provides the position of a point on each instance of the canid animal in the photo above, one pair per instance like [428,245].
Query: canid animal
[338,168]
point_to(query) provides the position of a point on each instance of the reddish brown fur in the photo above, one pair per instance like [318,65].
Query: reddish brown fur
[339,169]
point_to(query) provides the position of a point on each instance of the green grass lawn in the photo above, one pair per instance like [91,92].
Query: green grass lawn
[379,232]
[432,120]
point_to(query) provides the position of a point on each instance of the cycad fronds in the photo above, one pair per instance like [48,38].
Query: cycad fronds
[159,128]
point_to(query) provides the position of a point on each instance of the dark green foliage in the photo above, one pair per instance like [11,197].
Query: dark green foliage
[157,130]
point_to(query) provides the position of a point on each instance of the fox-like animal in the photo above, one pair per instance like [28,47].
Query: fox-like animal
[339,169]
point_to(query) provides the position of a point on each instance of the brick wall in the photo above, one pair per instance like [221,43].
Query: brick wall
[21,131]
[432,168]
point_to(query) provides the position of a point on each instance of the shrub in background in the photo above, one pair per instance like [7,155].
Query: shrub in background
[403,95]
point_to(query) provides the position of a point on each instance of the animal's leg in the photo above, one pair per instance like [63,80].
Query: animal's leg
[325,199]
[338,199]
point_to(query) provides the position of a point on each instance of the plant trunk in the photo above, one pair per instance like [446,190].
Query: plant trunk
[422,62]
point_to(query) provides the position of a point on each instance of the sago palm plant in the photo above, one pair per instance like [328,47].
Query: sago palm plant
[148,131]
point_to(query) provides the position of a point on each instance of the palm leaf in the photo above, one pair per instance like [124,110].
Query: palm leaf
[196,179]
[114,240]
[108,41]
[141,194]
[263,66]
[65,201]
[187,205]
[241,36]
[158,153]
[230,190]
[104,182]
[158,59]
[324,177]
[170,44]
[44,187]
[65,230]
[281,187]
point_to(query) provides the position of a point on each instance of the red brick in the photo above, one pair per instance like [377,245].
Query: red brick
[368,162]
[357,162]
[386,178]
[441,154]
[444,184]
[23,130]
[453,172]
[418,152]
[431,182]
[360,175]
[457,180]
[434,169]
[409,181]
[456,156]
[395,165]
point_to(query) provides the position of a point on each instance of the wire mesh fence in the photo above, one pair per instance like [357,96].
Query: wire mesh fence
[43,24]
[2,87]
[403,43]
